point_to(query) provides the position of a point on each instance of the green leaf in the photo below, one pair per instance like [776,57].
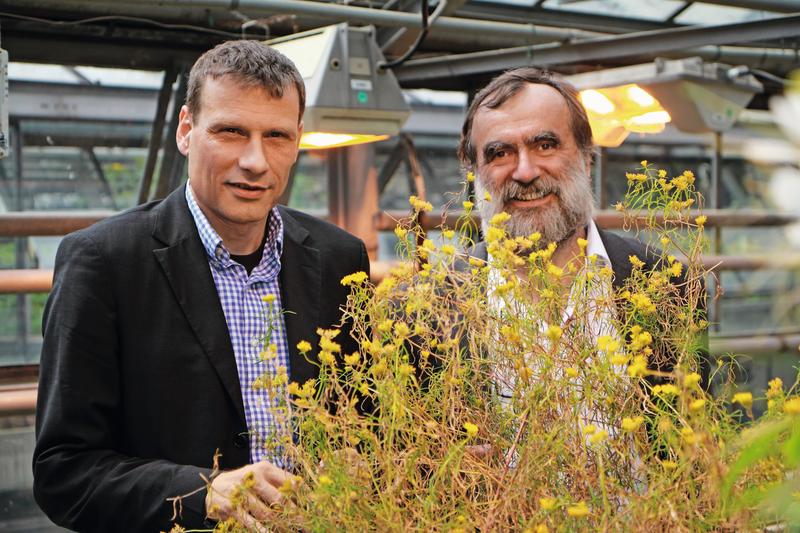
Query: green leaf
[791,448]
[755,444]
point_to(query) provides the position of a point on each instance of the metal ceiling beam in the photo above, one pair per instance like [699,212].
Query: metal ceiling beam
[556,17]
[80,102]
[778,6]
[364,15]
[683,39]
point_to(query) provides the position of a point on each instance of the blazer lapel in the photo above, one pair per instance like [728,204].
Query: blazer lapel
[301,280]
[185,265]
[619,251]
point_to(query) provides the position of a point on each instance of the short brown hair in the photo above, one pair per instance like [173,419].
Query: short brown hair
[509,83]
[252,63]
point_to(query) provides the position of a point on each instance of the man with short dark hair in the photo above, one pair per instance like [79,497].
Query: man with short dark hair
[171,330]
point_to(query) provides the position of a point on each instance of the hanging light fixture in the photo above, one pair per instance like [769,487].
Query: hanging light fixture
[349,100]
[693,95]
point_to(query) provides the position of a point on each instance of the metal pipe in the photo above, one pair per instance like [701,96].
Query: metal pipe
[611,219]
[38,223]
[18,399]
[35,223]
[380,17]
[41,280]
[21,281]
[645,43]
[755,345]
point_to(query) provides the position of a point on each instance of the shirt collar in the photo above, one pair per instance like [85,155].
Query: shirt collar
[212,242]
[594,244]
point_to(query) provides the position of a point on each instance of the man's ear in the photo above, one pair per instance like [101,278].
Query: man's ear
[184,131]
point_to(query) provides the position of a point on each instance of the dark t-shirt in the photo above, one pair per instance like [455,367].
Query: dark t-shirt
[250,261]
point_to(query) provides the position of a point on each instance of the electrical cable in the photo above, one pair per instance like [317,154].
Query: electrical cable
[426,24]
[130,19]
[743,70]
[757,72]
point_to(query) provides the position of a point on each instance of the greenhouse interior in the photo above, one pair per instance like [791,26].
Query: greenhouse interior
[694,151]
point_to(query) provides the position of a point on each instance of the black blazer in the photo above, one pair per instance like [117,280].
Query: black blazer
[138,384]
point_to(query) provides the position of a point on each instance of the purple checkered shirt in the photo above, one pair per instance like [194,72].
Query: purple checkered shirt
[254,324]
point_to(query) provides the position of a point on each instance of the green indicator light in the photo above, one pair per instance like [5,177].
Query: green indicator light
[362,97]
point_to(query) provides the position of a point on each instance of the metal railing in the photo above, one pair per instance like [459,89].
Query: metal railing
[18,384]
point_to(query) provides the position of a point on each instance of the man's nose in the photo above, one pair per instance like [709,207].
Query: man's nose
[254,157]
[527,168]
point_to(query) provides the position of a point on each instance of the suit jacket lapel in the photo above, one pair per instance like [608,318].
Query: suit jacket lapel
[301,280]
[185,265]
[619,251]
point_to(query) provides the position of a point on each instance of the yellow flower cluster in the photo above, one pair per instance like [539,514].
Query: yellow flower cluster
[683,181]
[356,278]
[635,261]
[643,303]
[632,424]
[639,339]
[307,390]
[578,510]
[419,205]
[792,407]
[666,390]
[471,429]
[745,399]
[328,347]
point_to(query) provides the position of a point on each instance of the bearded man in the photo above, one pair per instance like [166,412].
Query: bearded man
[527,139]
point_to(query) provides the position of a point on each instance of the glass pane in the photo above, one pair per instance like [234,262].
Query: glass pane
[640,9]
[699,13]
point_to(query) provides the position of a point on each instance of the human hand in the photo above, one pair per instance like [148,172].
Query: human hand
[247,494]
[479,451]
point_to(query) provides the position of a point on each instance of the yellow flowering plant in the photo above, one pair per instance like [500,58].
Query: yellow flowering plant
[511,394]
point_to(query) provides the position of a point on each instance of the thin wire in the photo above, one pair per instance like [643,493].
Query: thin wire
[126,18]
[426,25]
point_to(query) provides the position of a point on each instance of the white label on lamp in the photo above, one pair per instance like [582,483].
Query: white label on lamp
[361,85]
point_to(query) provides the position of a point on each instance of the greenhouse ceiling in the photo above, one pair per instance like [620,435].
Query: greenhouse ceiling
[467,42]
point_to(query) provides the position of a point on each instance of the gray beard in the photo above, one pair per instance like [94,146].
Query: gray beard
[557,221]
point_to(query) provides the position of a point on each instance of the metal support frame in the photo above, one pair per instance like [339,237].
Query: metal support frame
[646,43]
[716,197]
[678,12]
[390,166]
[172,161]
[601,178]
[287,192]
[353,192]
[21,242]
[156,133]
[101,175]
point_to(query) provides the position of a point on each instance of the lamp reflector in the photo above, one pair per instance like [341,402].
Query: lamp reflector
[596,101]
[317,140]
[640,96]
